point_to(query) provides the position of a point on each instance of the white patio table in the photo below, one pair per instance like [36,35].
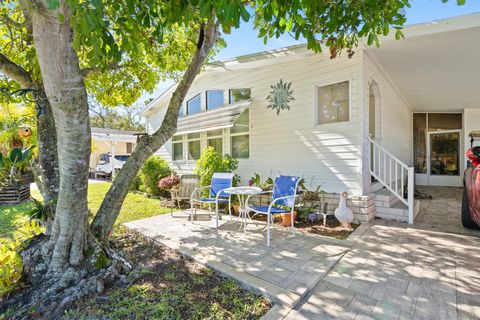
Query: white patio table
[243,193]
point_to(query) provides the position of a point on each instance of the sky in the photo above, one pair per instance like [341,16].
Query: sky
[245,41]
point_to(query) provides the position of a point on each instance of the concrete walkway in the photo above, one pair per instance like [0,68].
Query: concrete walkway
[387,270]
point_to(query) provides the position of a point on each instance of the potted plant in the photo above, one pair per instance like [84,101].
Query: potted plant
[15,176]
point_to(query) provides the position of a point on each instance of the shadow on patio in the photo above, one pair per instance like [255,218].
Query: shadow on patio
[284,272]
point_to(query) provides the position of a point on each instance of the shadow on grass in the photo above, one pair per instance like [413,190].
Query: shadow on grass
[12,217]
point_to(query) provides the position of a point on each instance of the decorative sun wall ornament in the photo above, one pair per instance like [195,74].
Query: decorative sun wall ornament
[280,96]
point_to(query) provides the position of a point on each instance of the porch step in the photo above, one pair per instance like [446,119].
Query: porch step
[388,206]
[385,198]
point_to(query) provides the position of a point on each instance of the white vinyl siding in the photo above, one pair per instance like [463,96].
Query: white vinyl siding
[291,143]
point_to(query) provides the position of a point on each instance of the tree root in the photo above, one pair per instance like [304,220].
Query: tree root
[49,294]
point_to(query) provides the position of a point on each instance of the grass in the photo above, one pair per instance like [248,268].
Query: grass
[12,218]
[170,287]
[136,206]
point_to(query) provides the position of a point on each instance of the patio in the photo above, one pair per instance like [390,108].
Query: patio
[384,270]
[284,272]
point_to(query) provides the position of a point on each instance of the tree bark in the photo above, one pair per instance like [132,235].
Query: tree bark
[46,135]
[67,96]
[47,152]
[148,144]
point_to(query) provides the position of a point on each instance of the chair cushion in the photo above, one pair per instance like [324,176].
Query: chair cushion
[264,209]
[212,200]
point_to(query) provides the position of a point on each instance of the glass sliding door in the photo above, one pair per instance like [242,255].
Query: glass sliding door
[444,154]
[437,141]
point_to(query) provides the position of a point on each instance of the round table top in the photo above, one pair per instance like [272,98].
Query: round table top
[243,190]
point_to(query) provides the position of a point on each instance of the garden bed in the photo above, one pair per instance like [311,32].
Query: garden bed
[170,287]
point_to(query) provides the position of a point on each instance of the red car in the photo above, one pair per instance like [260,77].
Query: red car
[471,182]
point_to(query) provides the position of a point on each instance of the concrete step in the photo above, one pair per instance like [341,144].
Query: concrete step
[385,198]
[388,206]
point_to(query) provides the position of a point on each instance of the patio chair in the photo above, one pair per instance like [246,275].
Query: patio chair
[188,183]
[284,194]
[219,182]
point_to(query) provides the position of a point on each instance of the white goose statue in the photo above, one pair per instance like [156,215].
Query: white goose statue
[343,213]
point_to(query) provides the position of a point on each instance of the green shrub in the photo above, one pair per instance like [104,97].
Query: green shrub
[10,261]
[154,169]
[210,162]
[136,183]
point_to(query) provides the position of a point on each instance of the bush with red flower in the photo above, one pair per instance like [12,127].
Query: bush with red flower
[169,182]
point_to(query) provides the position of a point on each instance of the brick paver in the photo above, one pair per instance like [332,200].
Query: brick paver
[396,271]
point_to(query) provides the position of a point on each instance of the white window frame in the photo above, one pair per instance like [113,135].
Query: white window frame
[316,100]
[221,136]
[182,141]
[188,143]
[199,95]
[230,135]
[206,99]
[240,88]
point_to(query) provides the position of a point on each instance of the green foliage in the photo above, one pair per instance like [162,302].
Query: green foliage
[154,169]
[40,211]
[337,24]
[210,162]
[257,182]
[10,261]
[15,163]
[136,183]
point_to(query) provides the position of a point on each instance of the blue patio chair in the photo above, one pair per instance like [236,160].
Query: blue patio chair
[219,182]
[284,194]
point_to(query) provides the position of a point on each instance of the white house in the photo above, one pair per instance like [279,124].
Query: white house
[404,107]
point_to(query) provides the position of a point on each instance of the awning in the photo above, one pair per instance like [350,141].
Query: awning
[220,118]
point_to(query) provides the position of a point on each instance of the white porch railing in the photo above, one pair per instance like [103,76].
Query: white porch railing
[393,174]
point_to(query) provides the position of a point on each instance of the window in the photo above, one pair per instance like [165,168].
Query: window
[122,158]
[129,147]
[177,146]
[193,146]
[214,99]
[239,137]
[237,95]
[420,142]
[333,103]
[194,105]
[214,139]
[180,112]
[104,157]
[240,146]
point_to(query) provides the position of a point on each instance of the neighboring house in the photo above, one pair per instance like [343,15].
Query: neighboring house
[374,121]
[110,143]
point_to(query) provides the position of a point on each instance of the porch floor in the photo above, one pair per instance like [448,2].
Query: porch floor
[443,212]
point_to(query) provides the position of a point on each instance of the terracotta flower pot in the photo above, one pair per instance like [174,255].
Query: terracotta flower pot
[287,218]
[236,209]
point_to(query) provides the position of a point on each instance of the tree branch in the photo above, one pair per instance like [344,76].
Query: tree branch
[15,72]
[86,71]
[9,21]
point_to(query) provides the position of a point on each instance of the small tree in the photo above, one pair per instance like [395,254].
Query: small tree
[154,169]
[210,162]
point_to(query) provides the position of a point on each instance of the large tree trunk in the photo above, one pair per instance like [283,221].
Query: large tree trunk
[148,144]
[47,152]
[67,96]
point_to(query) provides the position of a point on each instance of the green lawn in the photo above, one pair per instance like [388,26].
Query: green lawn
[136,206]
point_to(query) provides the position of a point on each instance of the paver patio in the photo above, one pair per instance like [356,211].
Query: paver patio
[388,270]
[396,271]
[290,267]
